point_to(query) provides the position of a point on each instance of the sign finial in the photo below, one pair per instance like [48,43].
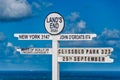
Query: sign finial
[54,23]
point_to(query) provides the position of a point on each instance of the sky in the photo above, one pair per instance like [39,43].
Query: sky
[81,16]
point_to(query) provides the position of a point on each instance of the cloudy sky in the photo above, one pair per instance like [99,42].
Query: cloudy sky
[81,16]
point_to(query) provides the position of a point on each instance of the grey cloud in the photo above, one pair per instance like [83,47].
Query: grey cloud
[76,24]
[110,34]
[14,9]
[73,16]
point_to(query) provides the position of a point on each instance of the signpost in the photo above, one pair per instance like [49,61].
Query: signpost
[54,24]
[35,50]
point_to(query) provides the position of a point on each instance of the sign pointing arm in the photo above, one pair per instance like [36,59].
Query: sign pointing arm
[35,50]
[64,37]
[61,37]
[33,36]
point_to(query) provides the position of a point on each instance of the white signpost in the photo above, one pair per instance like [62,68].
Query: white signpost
[54,24]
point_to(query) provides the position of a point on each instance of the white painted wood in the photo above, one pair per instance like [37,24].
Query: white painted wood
[32,36]
[35,51]
[61,37]
[55,63]
[66,37]
[84,59]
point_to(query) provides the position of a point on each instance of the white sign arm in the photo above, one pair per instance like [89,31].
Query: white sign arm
[32,36]
[64,37]
[35,50]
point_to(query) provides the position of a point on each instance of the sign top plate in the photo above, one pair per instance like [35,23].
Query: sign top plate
[54,23]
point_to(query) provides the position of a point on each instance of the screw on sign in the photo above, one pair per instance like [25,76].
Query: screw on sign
[54,23]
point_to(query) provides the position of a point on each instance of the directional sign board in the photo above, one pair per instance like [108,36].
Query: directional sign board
[74,54]
[33,36]
[66,37]
[61,37]
[85,55]
[34,50]
[84,51]
[97,59]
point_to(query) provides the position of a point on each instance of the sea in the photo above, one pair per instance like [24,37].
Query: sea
[64,75]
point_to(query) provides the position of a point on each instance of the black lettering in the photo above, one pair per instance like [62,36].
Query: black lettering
[92,58]
[82,51]
[103,59]
[60,19]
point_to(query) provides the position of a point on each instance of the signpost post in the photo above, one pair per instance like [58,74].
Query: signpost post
[54,24]
[55,64]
